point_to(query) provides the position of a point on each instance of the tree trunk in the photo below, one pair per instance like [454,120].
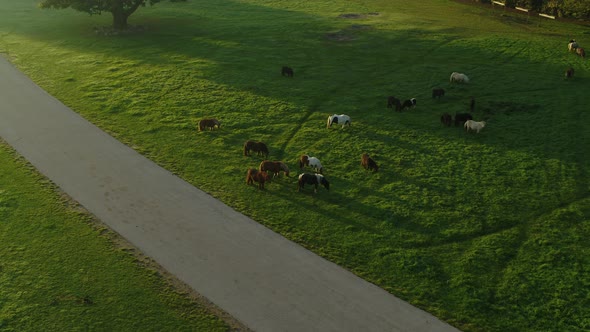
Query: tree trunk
[119,16]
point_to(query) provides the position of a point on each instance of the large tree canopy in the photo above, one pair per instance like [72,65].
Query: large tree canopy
[120,9]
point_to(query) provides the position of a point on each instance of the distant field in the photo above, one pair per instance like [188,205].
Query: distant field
[487,231]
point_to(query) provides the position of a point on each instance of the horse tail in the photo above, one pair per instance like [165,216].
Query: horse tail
[329,122]
[201,125]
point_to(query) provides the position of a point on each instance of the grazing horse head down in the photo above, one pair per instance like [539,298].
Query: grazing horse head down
[260,148]
[393,102]
[572,45]
[287,71]
[338,119]
[569,73]
[438,92]
[409,103]
[471,125]
[274,166]
[209,123]
[580,51]
[312,179]
[315,163]
[303,161]
[369,163]
[446,119]
[254,175]
[459,78]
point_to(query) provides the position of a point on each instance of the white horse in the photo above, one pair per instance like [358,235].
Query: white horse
[338,119]
[459,78]
[315,164]
[471,125]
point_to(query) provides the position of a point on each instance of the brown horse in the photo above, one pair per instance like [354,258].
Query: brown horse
[254,175]
[274,166]
[369,163]
[580,51]
[446,119]
[209,123]
[393,102]
[258,147]
[303,161]
[569,73]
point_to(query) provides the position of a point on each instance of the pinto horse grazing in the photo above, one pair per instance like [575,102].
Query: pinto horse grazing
[394,102]
[338,119]
[313,179]
[462,117]
[369,163]
[287,71]
[572,45]
[580,51]
[274,166]
[438,92]
[471,125]
[254,175]
[446,119]
[209,123]
[410,103]
[315,164]
[312,162]
[459,78]
[258,147]
[569,73]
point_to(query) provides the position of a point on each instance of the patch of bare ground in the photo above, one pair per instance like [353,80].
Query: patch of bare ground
[356,16]
[347,34]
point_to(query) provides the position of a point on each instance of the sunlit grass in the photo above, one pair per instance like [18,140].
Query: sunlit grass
[466,226]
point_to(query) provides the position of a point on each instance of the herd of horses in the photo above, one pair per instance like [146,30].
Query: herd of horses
[266,167]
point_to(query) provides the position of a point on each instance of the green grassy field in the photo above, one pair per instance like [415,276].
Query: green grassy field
[485,231]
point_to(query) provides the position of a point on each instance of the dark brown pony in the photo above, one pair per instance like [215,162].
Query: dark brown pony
[393,102]
[569,73]
[369,163]
[287,71]
[209,123]
[446,119]
[580,51]
[438,92]
[254,175]
[258,147]
[274,167]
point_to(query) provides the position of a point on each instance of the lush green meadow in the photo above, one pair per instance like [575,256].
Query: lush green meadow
[488,231]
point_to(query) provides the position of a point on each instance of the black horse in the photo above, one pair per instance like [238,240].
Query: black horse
[287,71]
